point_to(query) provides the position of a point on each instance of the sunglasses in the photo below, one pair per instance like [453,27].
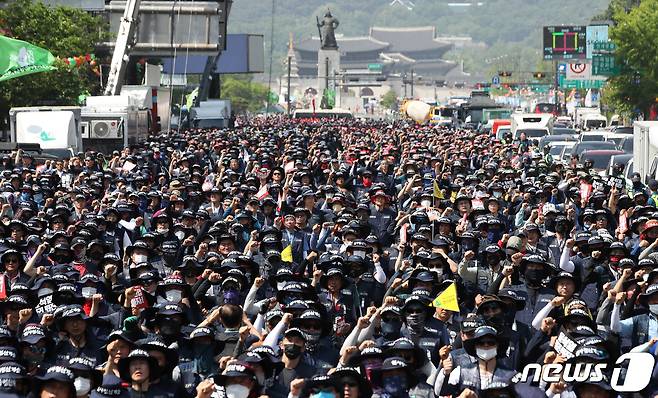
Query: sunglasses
[487,343]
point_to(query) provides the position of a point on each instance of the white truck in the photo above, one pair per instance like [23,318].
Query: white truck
[645,149]
[534,125]
[55,129]
[582,112]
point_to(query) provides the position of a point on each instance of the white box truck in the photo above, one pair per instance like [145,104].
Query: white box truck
[55,129]
[534,125]
[645,149]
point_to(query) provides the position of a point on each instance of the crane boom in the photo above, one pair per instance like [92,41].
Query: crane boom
[125,40]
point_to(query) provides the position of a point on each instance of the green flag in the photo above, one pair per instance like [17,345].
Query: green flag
[272,98]
[20,58]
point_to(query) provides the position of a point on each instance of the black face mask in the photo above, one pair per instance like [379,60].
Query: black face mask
[170,328]
[534,276]
[292,351]
[549,223]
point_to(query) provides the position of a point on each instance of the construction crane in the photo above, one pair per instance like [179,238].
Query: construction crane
[125,41]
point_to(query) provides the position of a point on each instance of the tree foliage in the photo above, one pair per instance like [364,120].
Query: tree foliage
[245,95]
[636,36]
[389,100]
[65,32]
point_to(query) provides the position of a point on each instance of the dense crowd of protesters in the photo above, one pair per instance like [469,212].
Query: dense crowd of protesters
[303,259]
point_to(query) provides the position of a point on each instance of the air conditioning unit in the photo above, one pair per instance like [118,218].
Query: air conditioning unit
[105,129]
[84,129]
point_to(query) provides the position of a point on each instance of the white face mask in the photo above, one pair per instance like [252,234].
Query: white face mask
[280,285]
[180,235]
[359,253]
[140,258]
[486,354]
[82,386]
[426,203]
[163,231]
[653,308]
[237,391]
[88,292]
[174,296]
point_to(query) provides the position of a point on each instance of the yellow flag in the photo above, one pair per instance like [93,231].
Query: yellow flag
[447,299]
[437,191]
[453,196]
[286,254]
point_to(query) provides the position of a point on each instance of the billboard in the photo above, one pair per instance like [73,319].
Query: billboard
[565,42]
[245,53]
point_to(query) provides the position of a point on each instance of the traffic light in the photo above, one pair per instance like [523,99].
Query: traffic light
[504,73]
[539,75]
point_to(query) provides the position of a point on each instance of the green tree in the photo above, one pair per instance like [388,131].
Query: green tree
[636,36]
[65,32]
[245,95]
[389,100]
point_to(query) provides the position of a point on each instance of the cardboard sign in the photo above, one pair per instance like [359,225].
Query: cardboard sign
[139,301]
[3,287]
[616,182]
[623,222]
[45,305]
[585,192]
[565,345]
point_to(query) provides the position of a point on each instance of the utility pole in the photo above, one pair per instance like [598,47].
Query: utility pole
[288,95]
[326,77]
[412,82]
[557,85]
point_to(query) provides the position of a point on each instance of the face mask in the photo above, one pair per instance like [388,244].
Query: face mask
[292,351]
[280,285]
[312,340]
[44,291]
[391,329]
[360,253]
[653,308]
[550,225]
[88,292]
[494,236]
[140,258]
[174,296]
[322,394]
[180,235]
[237,391]
[395,385]
[162,231]
[486,354]
[415,322]
[497,194]
[38,197]
[170,328]
[426,203]
[337,208]
[534,276]
[615,259]
[82,386]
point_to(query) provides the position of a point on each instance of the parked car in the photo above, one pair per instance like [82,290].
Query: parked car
[600,158]
[581,147]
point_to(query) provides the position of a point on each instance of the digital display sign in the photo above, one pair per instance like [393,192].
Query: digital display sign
[565,42]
